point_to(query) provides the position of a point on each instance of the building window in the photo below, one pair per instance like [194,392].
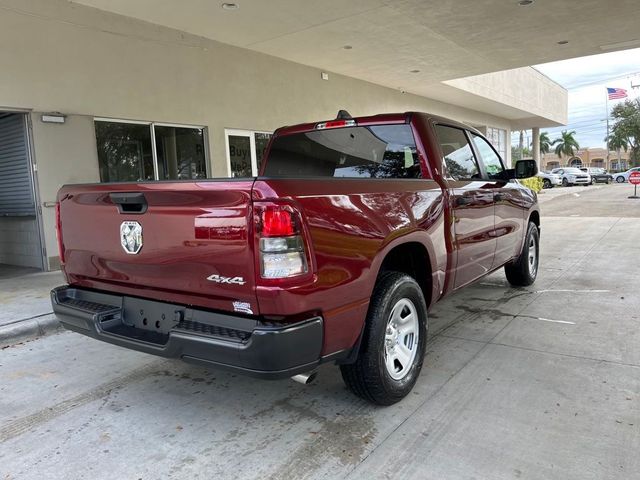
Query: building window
[245,149]
[498,138]
[132,152]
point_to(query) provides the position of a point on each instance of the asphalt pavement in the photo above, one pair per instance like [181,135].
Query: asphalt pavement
[531,383]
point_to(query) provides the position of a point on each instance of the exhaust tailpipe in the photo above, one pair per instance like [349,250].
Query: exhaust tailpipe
[305,378]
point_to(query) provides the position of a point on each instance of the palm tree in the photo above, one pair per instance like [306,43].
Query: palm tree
[616,142]
[545,143]
[566,145]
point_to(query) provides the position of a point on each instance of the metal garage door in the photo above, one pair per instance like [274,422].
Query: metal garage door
[19,233]
[16,193]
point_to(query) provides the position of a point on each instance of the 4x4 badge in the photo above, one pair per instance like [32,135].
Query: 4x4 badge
[229,280]
[131,237]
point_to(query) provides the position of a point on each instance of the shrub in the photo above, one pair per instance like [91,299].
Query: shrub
[534,183]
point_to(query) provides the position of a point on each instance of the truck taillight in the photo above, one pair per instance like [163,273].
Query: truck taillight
[59,233]
[282,252]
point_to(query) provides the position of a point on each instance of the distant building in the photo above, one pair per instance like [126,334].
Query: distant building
[588,157]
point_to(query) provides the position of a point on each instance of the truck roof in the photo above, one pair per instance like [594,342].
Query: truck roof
[383,118]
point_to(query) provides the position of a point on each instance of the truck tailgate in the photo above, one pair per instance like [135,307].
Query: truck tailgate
[194,247]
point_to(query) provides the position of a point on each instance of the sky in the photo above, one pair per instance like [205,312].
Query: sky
[586,79]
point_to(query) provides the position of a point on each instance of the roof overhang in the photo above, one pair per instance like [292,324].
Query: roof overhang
[411,45]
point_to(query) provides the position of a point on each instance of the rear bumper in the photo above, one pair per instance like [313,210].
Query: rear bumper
[199,336]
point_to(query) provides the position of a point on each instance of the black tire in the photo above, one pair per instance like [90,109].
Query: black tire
[565,182]
[369,377]
[620,179]
[546,183]
[521,272]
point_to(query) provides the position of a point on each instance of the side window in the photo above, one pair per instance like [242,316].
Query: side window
[457,156]
[488,156]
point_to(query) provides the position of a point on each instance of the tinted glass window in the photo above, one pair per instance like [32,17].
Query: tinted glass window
[457,155]
[240,155]
[180,153]
[382,151]
[492,163]
[124,152]
[262,140]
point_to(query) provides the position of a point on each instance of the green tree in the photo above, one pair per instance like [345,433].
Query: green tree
[545,143]
[617,143]
[566,145]
[626,128]
[515,153]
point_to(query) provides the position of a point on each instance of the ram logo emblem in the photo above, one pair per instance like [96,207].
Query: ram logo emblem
[131,237]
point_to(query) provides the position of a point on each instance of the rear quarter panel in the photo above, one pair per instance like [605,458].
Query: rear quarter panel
[352,224]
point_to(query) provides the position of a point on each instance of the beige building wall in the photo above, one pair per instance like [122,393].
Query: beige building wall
[590,157]
[524,89]
[84,63]
[63,154]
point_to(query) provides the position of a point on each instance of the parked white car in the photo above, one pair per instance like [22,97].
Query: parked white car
[549,180]
[572,176]
[624,176]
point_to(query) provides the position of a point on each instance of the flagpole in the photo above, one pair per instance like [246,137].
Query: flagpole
[606,102]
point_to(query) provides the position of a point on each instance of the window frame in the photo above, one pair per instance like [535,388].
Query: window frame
[239,132]
[501,133]
[154,153]
[445,167]
[485,175]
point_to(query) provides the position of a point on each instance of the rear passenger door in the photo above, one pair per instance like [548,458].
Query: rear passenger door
[472,204]
[509,202]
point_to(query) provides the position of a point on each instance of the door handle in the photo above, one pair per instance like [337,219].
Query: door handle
[129,202]
[498,197]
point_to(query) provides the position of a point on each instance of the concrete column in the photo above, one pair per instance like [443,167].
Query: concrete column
[535,133]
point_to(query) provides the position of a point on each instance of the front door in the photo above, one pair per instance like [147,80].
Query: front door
[245,149]
[472,203]
[509,210]
[240,157]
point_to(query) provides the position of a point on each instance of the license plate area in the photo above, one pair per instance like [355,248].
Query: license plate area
[151,316]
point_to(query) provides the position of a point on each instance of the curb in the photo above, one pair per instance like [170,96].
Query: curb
[28,329]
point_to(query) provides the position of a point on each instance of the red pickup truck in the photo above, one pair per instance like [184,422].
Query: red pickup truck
[334,253]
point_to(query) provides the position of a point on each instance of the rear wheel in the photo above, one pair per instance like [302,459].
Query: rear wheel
[393,343]
[524,269]
[565,182]
[620,179]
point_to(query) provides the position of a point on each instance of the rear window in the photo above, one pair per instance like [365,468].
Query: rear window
[380,151]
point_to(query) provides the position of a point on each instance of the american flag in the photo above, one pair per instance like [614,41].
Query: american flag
[615,93]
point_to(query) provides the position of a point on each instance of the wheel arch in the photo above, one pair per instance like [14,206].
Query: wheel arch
[534,217]
[405,254]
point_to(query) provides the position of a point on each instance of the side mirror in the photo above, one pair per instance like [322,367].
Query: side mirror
[525,169]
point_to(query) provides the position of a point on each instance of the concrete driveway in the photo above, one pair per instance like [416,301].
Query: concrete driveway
[540,382]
